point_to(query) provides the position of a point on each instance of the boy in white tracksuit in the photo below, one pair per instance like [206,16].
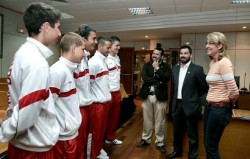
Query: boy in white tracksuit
[82,79]
[66,98]
[31,128]
[101,96]
[114,66]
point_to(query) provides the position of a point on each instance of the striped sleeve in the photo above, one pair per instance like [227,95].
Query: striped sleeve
[226,71]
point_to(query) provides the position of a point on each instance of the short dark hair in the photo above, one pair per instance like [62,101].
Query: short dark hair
[159,48]
[38,13]
[186,47]
[84,30]
[101,40]
[114,39]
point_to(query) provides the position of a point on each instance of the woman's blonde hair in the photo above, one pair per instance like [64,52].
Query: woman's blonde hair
[219,38]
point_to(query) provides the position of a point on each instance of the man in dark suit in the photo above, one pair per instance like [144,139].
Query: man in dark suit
[189,85]
[154,94]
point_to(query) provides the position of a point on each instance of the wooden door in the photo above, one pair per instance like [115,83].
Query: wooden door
[127,57]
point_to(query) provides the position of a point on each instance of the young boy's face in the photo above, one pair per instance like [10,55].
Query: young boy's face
[53,34]
[78,53]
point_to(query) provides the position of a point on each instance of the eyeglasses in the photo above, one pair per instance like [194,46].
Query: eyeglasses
[210,43]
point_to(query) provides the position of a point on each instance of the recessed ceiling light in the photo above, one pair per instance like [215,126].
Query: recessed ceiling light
[188,42]
[240,1]
[244,27]
[20,30]
[140,11]
[67,16]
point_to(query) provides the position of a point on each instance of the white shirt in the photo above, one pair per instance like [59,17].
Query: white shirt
[182,75]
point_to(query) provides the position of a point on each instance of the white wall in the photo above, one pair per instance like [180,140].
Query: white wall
[151,44]
[136,44]
[238,49]
[165,43]
[13,40]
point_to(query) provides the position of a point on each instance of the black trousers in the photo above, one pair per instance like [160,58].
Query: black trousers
[180,122]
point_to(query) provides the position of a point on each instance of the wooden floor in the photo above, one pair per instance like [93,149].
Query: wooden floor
[130,133]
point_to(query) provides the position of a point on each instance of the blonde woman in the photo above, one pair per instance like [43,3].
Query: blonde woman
[222,93]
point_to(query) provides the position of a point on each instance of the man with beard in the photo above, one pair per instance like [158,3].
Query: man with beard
[154,94]
[189,85]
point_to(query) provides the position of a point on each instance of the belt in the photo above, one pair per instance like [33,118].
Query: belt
[151,93]
[218,103]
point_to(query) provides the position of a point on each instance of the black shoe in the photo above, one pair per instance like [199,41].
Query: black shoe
[142,143]
[174,154]
[161,148]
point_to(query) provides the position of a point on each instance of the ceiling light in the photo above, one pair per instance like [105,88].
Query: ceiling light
[146,36]
[20,30]
[140,11]
[244,27]
[188,42]
[240,1]
[67,16]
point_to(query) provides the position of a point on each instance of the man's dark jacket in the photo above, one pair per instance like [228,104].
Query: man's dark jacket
[159,79]
[194,87]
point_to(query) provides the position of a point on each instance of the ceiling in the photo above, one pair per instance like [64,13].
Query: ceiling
[171,18]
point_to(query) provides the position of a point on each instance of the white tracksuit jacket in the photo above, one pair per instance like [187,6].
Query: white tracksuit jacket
[99,78]
[32,125]
[114,66]
[63,88]
[82,79]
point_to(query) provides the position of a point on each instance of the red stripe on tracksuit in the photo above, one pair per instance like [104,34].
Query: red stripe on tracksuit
[99,75]
[67,94]
[102,74]
[81,74]
[92,77]
[62,94]
[33,97]
[54,90]
[113,68]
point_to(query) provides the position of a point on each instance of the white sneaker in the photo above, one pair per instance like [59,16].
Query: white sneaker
[115,142]
[101,156]
[103,152]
